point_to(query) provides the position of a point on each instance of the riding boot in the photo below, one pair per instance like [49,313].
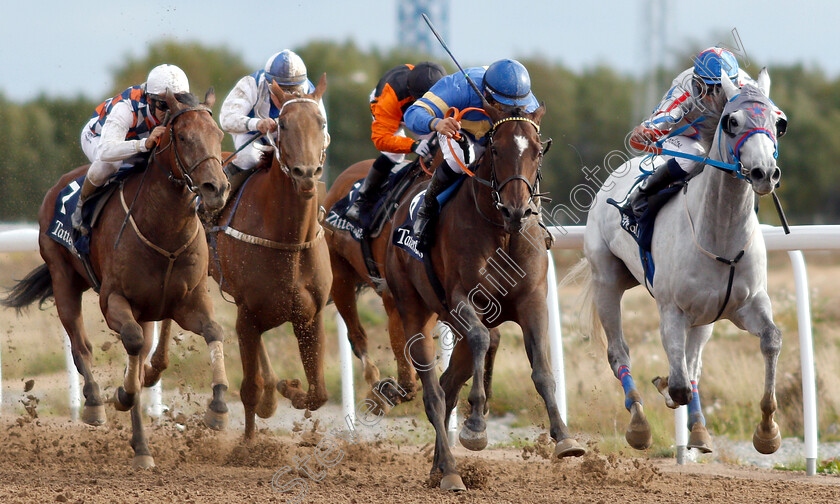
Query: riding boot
[443,178]
[236,176]
[662,176]
[369,191]
[76,219]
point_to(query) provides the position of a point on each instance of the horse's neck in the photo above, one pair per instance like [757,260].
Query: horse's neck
[289,217]
[721,208]
[162,209]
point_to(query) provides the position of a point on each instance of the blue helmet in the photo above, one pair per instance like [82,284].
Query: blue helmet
[708,64]
[286,68]
[507,81]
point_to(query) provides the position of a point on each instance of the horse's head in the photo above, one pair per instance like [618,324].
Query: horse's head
[515,153]
[748,133]
[195,143]
[301,138]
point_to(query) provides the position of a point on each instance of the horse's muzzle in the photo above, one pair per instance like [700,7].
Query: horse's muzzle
[214,195]
[765,178]
[515,217]
[306,180]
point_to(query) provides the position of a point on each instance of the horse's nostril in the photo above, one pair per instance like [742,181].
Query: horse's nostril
[527,213]
[777,174]
[297,172]
[756,174]
[505,212]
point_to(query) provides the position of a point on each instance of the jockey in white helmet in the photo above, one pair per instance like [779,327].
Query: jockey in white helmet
[126,125]
[248,110]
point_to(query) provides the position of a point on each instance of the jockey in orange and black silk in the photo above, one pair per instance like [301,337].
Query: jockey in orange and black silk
[400,87]
[126,125]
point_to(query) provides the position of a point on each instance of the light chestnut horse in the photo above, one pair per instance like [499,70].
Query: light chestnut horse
[272,258]
[155,269]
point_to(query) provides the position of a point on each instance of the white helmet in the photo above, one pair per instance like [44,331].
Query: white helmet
[167,76]
[286,68]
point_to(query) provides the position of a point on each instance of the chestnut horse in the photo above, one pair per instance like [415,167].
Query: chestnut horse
[482,261]
[349,272]
[273,260]
[153,269]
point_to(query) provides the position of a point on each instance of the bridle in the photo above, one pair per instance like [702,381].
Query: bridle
[185,178]
[275,144]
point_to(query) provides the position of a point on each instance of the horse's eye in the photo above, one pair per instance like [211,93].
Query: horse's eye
[733,123]
[281,125]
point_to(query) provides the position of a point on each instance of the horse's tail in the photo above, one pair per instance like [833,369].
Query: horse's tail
[36,285]
[590,324]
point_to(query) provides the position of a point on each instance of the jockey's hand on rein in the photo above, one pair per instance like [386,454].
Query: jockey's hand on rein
[153,138]
[448,127]
[266,125]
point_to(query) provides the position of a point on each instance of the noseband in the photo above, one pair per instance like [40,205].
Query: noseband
[276,143]
[185,179]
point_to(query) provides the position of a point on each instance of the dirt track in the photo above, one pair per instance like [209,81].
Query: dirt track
[55,460]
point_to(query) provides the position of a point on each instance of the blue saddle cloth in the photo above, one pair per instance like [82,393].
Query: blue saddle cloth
[641,229]
[403,236]
[374,220]
[61,229]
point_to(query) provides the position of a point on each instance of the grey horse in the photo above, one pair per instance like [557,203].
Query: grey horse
[710,263]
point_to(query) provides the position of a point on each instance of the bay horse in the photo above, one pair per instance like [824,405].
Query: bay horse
[710,263]
[481,259]
[349,272]
[270,256]
[154,269]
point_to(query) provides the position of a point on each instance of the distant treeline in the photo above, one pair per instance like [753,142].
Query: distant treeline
[588,116]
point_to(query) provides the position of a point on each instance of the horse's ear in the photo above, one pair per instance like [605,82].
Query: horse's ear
[171,100]
[492,112]
[546,146]
[729,87]
[763,82]
[210,97]
[278,96]
[538,114]
[321,88]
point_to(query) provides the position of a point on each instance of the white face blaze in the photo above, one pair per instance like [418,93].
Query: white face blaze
[521,143]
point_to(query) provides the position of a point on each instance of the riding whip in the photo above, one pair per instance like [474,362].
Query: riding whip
[781,213]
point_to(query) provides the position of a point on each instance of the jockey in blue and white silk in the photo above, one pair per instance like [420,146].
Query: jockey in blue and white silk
[505,83]
[248,109]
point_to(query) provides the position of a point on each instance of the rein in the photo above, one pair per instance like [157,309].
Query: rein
[276,145]
[185,179]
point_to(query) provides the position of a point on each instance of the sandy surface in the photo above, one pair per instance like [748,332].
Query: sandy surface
[55,460]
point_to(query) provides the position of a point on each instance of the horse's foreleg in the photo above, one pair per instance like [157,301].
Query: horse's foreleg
[673,329]
[535,332]
[267,404]
[310,336]
[489,362]
[160,357]
[251,387]
[697,338]
[120,318]
[756,317]
[142,455]
[197,317]
[68,301]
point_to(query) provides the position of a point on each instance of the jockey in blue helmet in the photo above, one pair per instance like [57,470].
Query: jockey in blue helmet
[691,108]
[248,110]
[505,85]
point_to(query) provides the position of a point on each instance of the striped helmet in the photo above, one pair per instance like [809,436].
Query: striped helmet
[286,69]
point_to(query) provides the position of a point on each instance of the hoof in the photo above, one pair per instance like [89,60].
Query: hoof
[699,439]
[471,440]
[215,421]
[568,447]
[285,387]
[121,400]
[661,385]
[94,415]
[143,462]
[268,403]
[452,483]
[767,442]
[638,432]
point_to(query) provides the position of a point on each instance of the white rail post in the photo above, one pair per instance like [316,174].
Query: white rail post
[556,339]
[447,345]
[155,408]
[345,355]
[806,354]
[1,379]
[681,433]
[74,398]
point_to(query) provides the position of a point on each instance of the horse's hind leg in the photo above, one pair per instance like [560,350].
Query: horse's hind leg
[387,393]
[756,317]
[160,357]
[610,279]
[68,301]
[310,336]
[344,296]
[267,404]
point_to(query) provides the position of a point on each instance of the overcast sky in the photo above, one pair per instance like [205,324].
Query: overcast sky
[66,48]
